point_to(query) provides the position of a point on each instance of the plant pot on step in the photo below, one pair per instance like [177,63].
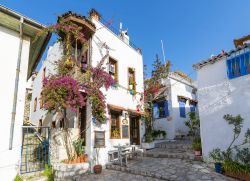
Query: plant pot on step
[98,169]
[218,167]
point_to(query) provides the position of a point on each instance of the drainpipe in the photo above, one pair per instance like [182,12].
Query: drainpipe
[13,115]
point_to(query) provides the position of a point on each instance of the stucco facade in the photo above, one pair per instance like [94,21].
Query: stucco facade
[177,87]
[218,95]
[15,47]
[126,57]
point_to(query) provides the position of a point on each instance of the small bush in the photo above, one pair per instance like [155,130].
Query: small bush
[49,173]
[18,178]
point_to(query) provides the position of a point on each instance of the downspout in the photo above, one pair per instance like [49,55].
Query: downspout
[13,115]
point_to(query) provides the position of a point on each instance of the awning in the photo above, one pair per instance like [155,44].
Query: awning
[134,112]
[116,108]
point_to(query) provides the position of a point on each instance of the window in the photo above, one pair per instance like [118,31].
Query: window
[83,57]
[99,139]
[41,101]
[113,69]
[115,125]
[44,73]
[238,65]
[182,108]
[160,109]
[131,79]
[35,104]
[53,124]
[61,123]
[192,106]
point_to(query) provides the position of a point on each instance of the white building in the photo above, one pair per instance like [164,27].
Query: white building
[223,88]
[173,103]
[20,55]
[123,62]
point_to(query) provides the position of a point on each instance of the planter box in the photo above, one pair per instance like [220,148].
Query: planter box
[238,176]
[148,146]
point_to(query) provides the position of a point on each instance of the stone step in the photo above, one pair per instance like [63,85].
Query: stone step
[142,172]
[173,146]
[170,155]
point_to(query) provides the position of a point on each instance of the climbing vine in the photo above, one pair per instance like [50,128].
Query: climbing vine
[65,89]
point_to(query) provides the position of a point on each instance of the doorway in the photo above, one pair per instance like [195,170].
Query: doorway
[134,130]
[83,122]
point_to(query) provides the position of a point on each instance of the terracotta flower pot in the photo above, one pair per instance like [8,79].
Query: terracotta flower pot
[197,152]
[78,160]
[98,169]
[82,159]
[66,161]
[86,158]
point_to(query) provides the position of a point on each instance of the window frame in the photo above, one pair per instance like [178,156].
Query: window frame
[114,62]
[118,120]
[131,70]
[99,146]
[244,68]
[182,110]
[35,105]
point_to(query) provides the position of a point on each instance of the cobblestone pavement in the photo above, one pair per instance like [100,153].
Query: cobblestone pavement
[177,169]
[111,175]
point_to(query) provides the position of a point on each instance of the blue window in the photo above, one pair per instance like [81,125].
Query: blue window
[192,107]
[182,108]
[160,109]
[238,65]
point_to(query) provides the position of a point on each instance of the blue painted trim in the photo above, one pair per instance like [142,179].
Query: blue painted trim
[166,108]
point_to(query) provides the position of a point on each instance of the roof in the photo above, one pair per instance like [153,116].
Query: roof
[11,20]
[240,41]
[219,57]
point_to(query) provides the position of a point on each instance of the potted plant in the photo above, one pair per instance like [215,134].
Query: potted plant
[196,145]
[79,149]
[98,167]
[217,157]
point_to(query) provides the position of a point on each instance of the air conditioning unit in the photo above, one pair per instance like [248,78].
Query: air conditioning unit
[111,68]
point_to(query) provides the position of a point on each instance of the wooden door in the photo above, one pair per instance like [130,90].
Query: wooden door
[134,131]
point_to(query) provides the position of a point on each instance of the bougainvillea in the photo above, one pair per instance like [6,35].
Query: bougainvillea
[61,92]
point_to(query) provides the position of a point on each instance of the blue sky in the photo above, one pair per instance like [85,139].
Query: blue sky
[191,30]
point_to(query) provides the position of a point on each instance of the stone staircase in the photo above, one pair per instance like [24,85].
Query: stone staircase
[178,149]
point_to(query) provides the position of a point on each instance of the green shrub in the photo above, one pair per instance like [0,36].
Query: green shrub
[18,178]
[78,146]
[49,173]
[196,145]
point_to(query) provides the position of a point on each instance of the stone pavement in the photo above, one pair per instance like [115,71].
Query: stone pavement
[171,170]
[112,175]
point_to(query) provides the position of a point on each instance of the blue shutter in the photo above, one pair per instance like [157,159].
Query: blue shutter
[182,109]
[155,111]
[166,108]
[229,68]
[242,64]
[192,108]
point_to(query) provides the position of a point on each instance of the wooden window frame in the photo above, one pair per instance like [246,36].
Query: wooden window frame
[119,122]
[44,73]
[98,146]
[129,71]
[115,63]
[35,104]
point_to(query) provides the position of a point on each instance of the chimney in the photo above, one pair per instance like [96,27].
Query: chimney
[94,14]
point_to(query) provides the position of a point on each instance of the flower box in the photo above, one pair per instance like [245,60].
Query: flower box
[243,177]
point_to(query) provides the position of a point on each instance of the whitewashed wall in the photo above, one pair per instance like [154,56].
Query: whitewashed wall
[126,57]
[217,96]
[9,45]
[174,124]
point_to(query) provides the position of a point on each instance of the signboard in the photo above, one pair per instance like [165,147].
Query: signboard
[99,139]
[125,131]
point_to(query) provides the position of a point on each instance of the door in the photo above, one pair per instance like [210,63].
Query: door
[82,121]
[134,130]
